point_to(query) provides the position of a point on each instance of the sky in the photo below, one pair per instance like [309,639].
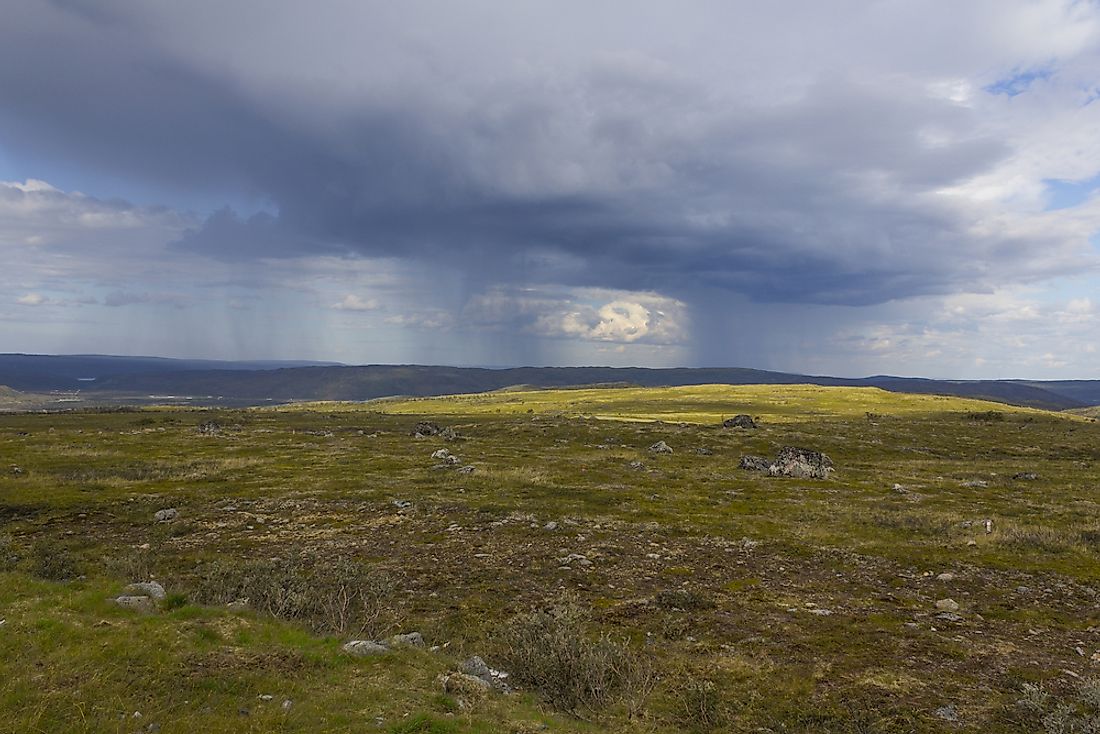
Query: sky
[851,188]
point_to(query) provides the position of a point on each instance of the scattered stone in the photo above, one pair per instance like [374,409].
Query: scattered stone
[801,463]
[1025,476]
[900,489]
[466,470]
[660,448]
[425,428]
[637,465]
[550,526]
[576,558]
[287,703]
[238,605]
[947,605]
[402,504]
[142,604]
[947,713]
[409,639]
[946,576]
[448,434]
[265,697]
[977,483]
[16,470]
[949,617]
[166,515]
[364,648]
[739,421]
[441,454]
[704,451]
[151,589]
[755,463]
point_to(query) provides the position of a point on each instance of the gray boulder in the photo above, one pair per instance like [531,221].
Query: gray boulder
[801,463]
[409,639]
[426,428]
[142,604]
[166,515]
[364,648]
[151,589]
[477,668]
[739,421]
[660,448]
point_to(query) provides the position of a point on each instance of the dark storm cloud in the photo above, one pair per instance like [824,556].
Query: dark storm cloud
[617,173]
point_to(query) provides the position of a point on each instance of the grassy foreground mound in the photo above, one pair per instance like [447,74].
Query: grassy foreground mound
[943,579]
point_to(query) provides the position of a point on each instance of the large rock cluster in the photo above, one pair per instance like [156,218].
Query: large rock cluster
[792,461]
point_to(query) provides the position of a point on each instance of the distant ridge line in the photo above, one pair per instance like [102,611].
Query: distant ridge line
[259,382]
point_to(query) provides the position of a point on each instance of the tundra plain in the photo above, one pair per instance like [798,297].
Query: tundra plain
[944,578]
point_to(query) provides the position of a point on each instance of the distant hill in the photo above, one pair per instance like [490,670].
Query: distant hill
[106,379]
[1086,392]
[46,372]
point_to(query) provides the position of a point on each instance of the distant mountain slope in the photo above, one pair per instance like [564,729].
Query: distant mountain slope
[105,378]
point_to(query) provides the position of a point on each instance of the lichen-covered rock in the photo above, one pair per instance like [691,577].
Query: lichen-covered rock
[660,448]
[166,515]
[365,648]
[426,428]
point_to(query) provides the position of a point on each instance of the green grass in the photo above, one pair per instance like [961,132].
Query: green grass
[705,404]
[763,604]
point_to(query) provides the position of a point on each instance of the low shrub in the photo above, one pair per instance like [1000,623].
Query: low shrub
[552,651]
[986,416]
[1076,712]
[54,561]
[336,596]
[702,705]
[1038,538]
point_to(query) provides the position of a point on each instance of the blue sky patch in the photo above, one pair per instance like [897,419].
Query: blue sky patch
[1063,194]
[1018,82]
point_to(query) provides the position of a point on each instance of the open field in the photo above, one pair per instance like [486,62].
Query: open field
[688,594]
